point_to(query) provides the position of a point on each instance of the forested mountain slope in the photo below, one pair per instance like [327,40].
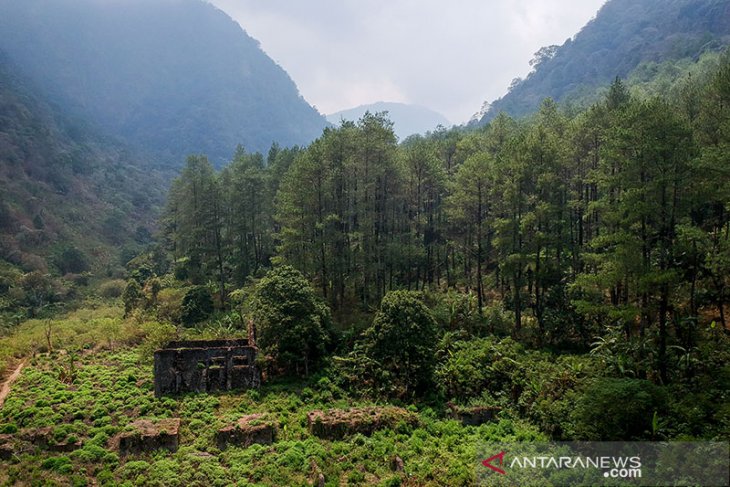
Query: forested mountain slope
[69,199]
[171,77]
[624,35]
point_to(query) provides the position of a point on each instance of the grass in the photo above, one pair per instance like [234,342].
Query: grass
[98,323]
[112,388]
[96,378]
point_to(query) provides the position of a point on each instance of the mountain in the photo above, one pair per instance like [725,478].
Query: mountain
[625,35]
[173,77]
[70,200]
[407,119]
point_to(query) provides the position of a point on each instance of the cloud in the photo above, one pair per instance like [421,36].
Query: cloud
[343,53]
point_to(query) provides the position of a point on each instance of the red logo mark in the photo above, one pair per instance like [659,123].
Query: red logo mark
[487,463]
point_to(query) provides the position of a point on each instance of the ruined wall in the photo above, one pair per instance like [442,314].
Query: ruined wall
[205,366]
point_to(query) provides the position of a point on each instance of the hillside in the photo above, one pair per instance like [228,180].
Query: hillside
[407,119]
[70,199]
[624,35]
[439,311]
[171,77]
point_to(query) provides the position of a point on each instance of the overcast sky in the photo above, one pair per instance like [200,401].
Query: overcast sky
[447,56]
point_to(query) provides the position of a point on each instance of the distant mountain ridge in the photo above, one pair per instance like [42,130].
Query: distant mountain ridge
[407,119]
[173,77]
[623,35]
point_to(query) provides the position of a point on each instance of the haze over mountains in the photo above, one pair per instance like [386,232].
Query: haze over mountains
[624,35]
[94,92]
[407,119]
[65,190]
[170,77]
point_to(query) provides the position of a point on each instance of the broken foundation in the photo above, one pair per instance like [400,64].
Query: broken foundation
[147,435]
[205,366]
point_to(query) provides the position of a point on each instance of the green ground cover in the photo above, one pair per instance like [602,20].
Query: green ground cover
[110,389]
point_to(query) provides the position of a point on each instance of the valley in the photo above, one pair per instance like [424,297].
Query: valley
[341,303]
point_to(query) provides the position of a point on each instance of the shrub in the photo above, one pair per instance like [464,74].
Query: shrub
[169,304]
[156,336]
[132,295]
[457,311]
[112,289]
[133,469]
[71,260]
[38,289]
[470,366]
[618,409]
[197,305]
[293,322]
[402,340]
[58,464]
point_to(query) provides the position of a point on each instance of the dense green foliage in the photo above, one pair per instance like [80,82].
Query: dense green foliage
[401,342]
[196,306]
[111,390]
[94,381]
[561,277]
[601,231]
[293,324]
[172,78]
[619,409]
[615,218]
[626,39]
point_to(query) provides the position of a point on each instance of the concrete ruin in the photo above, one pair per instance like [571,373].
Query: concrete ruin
[477,415]
[254,428]
[474,416]
[147,435]
[43,438]
[205,366]
[336,424]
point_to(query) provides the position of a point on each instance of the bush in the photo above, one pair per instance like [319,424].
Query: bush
[618,409]
[294,324]
[169,304]
[458,311]
[469,366]
[112,289]
[38,289]
[132,296]
[71,260]
[152,290]
[156,335]
[402,340]
[58,464]
[197,305]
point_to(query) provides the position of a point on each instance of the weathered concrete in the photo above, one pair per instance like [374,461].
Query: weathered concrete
[205,366]
[43,438]
[474,416]
[147,435]
[24,441]
[335,424]
[40,437]
[254,428]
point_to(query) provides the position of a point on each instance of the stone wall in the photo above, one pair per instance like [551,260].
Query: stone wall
[205,366]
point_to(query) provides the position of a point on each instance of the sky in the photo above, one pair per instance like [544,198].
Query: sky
[447,56]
